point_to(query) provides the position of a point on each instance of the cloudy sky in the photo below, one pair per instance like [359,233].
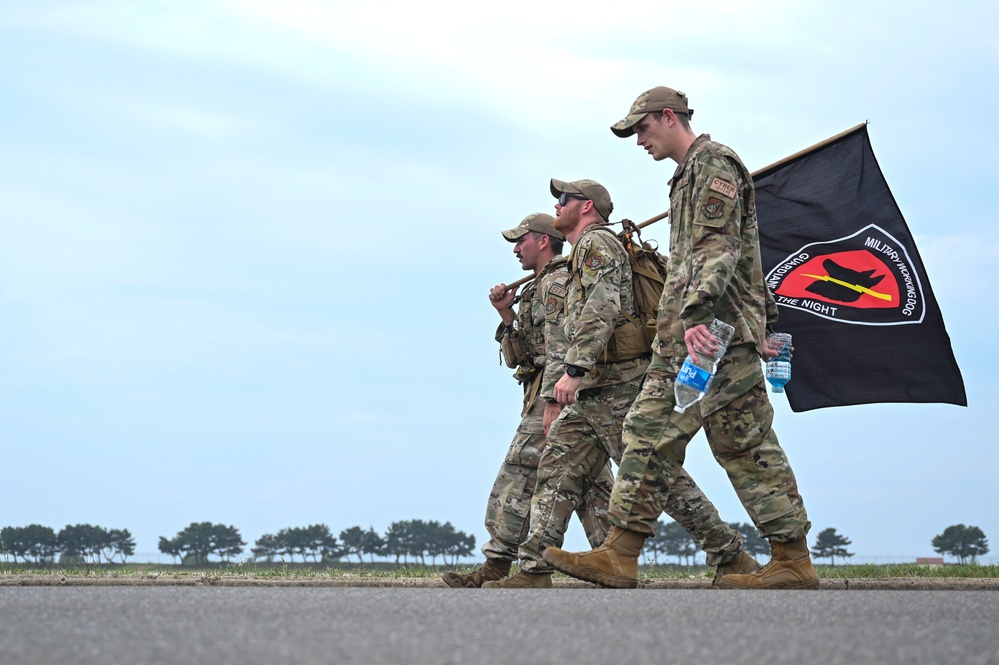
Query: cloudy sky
[245,246]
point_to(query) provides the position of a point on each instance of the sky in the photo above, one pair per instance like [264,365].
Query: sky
[246,246]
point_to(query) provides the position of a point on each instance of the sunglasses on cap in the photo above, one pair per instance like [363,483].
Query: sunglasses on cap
[565,196]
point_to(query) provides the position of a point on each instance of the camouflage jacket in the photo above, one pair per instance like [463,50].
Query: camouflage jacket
[715,270]
[539,326]
[598,290]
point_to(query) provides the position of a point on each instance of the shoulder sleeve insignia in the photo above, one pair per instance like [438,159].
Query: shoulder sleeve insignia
[552,305]
[594,261]
[557,290]
[713,208]
[723,187]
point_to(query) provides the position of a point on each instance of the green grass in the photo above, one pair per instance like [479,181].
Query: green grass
[903,570]
[416,571]
[233,570]
[859,571]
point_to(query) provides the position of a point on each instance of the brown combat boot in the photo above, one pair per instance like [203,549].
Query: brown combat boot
[614,564]
[790,567]
[522,580]
[492,569]
[743,562]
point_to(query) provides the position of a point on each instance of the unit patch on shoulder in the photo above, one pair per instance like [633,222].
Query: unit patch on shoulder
[552,305]
[557,289]
[594,260]
[723,187]
[713,208]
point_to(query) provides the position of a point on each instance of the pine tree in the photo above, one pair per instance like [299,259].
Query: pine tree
[830,544]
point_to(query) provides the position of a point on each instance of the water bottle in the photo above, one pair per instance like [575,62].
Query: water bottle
[779,367]
[694,378]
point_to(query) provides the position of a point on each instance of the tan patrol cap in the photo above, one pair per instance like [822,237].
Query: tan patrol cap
[537,221]
[656,99]
[591,189]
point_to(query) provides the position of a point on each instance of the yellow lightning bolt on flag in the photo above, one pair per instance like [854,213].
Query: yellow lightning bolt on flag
[854,287]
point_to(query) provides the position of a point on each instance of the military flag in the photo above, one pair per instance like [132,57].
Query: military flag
[849,283]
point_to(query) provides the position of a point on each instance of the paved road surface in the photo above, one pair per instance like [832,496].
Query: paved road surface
[247,626]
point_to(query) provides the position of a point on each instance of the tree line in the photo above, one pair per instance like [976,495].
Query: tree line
[966,543]
[403,541]
[671,540]
[416,539]
[80,543]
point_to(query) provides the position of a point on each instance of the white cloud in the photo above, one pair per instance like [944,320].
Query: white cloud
[269,222]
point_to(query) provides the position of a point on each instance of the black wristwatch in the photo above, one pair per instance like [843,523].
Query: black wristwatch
[573,371]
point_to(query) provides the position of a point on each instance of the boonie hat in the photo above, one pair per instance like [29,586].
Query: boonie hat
[656,99]
[537,221]
[591,189]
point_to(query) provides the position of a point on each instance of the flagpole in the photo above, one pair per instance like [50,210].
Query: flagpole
[820,144]
[664,215]
[524,280]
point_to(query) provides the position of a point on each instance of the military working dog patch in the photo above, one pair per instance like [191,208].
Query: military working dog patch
[723,187]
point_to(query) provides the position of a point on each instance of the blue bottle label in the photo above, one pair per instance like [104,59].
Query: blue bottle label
[777,371]
[693,376]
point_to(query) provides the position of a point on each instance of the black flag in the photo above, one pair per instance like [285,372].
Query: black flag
[849,283]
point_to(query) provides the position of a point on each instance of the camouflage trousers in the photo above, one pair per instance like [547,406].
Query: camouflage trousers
[508,513]
[740,433]
[581,443]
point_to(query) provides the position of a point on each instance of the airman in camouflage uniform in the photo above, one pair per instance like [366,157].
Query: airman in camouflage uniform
[532,342]
[715,271]
[601,382]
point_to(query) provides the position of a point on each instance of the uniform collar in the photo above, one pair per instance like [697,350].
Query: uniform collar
[682,166]
[553,263]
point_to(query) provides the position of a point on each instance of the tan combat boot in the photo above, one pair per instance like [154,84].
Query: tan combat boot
[522,580]
[743,562]
[614,564]
[790,567]
[492,569]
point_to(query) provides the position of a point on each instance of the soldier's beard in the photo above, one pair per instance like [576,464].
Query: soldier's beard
[567,220]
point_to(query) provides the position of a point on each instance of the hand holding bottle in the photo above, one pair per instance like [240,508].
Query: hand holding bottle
[694,378]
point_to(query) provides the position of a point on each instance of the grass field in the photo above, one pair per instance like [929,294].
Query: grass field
[380,570]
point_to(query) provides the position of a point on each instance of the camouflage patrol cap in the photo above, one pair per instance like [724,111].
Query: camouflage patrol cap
[656,99]
[591,189]
[537,221]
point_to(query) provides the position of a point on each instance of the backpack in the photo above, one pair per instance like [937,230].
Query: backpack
[633,338]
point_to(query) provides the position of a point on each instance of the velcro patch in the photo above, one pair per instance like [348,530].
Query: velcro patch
[723,187]
[714,208]
[594,261]
[557,290]
[552,305]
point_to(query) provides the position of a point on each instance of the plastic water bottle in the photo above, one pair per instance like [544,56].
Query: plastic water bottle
[694,378]
[779,367]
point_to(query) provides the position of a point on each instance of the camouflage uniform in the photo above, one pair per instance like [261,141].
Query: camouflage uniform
[539,327]
[588,433]
[715,271]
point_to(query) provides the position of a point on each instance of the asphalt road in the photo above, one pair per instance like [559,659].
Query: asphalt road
[246,626]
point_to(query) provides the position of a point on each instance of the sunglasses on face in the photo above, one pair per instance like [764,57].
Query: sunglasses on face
[564,198]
